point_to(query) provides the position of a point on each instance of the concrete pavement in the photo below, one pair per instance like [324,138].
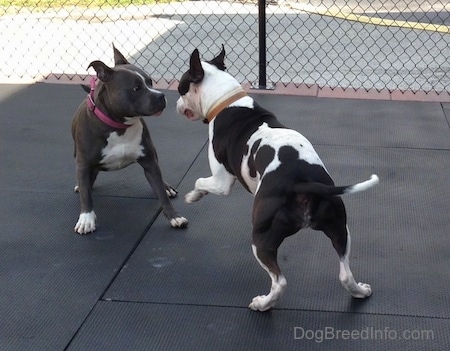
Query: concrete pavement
[330,53]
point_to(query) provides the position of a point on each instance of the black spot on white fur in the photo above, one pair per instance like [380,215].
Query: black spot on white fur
[251,159]
[287,154]
[264,157]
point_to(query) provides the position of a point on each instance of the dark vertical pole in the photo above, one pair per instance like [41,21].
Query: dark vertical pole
[262,43]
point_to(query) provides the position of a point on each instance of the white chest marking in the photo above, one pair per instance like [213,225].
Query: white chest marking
[122,150]
[276,138]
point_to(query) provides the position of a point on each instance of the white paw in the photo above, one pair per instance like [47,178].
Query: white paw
[364,290]
[171,192]
[86,223]
[179,222]
[261,303]
[76,189]
[193,196]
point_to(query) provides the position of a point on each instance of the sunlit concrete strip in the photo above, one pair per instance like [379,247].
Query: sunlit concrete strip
[66,40]
[320,10]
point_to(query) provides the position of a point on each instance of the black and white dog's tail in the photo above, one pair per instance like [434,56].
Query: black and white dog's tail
[327,190]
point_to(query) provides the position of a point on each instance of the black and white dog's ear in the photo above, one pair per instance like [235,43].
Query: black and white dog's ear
[196,71]
[104,72]
[194,75]
[218,61]
[119,59]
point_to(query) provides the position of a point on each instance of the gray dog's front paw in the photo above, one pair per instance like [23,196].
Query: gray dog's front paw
[86,223]
[171,191]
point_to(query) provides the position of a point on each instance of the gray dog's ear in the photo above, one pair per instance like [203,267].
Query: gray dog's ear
[218,61]
[104,72]
[195,67]
[119,59]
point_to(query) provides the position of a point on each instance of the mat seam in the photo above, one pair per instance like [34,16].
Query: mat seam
[275,309]
[112,280]
[128,256]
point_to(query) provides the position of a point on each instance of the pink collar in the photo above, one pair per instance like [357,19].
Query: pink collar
[99,113]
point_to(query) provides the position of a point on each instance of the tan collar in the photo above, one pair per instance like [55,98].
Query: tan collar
[227,100]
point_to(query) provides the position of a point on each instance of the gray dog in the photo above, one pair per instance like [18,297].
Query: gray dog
[109,134]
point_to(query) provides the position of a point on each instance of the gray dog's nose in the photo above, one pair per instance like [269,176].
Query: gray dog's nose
[162,99]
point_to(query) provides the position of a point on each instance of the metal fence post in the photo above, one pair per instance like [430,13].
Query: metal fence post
[262,82]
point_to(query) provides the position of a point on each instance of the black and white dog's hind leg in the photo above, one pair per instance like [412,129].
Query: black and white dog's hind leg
[332,220]
[360,290]
[268,261]
[269,231]
[271,227]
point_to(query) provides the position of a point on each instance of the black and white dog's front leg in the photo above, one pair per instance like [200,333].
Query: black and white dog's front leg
[220,183]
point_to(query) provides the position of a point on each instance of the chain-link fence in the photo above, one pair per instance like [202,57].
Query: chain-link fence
[369,44]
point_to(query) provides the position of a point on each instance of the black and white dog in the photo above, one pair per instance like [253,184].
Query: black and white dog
[109,134]
[279,166]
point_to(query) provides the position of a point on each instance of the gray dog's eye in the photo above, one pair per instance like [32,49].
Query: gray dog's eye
[136,88]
